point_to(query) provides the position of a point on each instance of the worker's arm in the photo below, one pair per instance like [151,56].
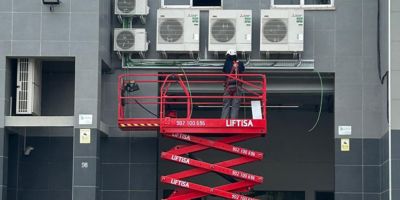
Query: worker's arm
[241,67]
[227,67]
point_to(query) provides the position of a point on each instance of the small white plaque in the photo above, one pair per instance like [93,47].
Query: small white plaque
[85,119]
[84,136]
[256,109]
[344,130]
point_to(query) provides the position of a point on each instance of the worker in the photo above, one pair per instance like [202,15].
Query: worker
[232,67]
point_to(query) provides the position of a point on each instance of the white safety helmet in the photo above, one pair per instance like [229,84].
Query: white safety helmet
[231,52]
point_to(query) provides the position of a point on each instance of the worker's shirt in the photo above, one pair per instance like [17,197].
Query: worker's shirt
[229,64]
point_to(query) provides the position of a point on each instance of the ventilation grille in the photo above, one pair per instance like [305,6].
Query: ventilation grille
[275,31]
[23,80]
[126,6]
[223,30]
[125,40]
[170,31]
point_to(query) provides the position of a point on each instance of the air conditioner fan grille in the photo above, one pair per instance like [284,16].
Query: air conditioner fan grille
[223,30]
[125,40]
[126,6]
[275,30]
[171,30]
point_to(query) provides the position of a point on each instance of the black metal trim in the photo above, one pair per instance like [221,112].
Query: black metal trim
[45,2]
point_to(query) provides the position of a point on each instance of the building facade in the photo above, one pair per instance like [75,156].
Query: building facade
[351,45]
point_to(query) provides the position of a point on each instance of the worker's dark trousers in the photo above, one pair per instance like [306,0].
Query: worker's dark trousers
[231,106]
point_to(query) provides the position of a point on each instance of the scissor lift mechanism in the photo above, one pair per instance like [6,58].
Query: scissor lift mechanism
[194,130]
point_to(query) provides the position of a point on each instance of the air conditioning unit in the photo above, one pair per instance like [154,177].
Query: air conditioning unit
[282,30]
[29,80]
[230,29]
[131,7]
[130,40]
[178,30]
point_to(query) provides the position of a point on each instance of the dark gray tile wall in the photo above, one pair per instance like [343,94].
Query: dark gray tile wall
[371,179]
[340,196]
[129,168]
[395,164]
[395,194]
[86,167]
[4,160]
[44,174]
[353,177]
[371,197]
[353,157]
[395,144]
[358,173]
[384,166]
[371,152]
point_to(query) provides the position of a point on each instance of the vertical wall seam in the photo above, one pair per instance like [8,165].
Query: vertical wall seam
[129,165]
[12,25]
[362,100]
[40,31]
[69,29]
[73,163]
[314,33]
[334,53]
[390,97]
[18,165]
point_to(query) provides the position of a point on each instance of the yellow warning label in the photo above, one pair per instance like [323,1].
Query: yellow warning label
[84,136]
[345,144]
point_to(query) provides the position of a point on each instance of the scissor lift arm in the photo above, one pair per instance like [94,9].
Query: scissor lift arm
[194,131]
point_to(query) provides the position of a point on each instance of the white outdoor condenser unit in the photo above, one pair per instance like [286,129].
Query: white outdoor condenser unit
[282,30]
[131,7]
[178,30]
[130,40]
[29,80]
[230,29]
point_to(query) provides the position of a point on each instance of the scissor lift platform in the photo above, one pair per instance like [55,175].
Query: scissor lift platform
[191,130]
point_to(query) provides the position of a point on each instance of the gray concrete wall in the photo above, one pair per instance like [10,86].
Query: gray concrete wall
[342,41]
[358,90]
[71,30]
[395,64]
[395,97]
[29,29]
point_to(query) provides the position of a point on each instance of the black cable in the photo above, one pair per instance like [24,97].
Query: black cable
[382,78]
[144,108]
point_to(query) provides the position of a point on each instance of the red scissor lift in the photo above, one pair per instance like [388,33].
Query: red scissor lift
[195,130]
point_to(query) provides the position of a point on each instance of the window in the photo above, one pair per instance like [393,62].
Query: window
[191,3]
[176,3]
[207,3]
[306,4]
